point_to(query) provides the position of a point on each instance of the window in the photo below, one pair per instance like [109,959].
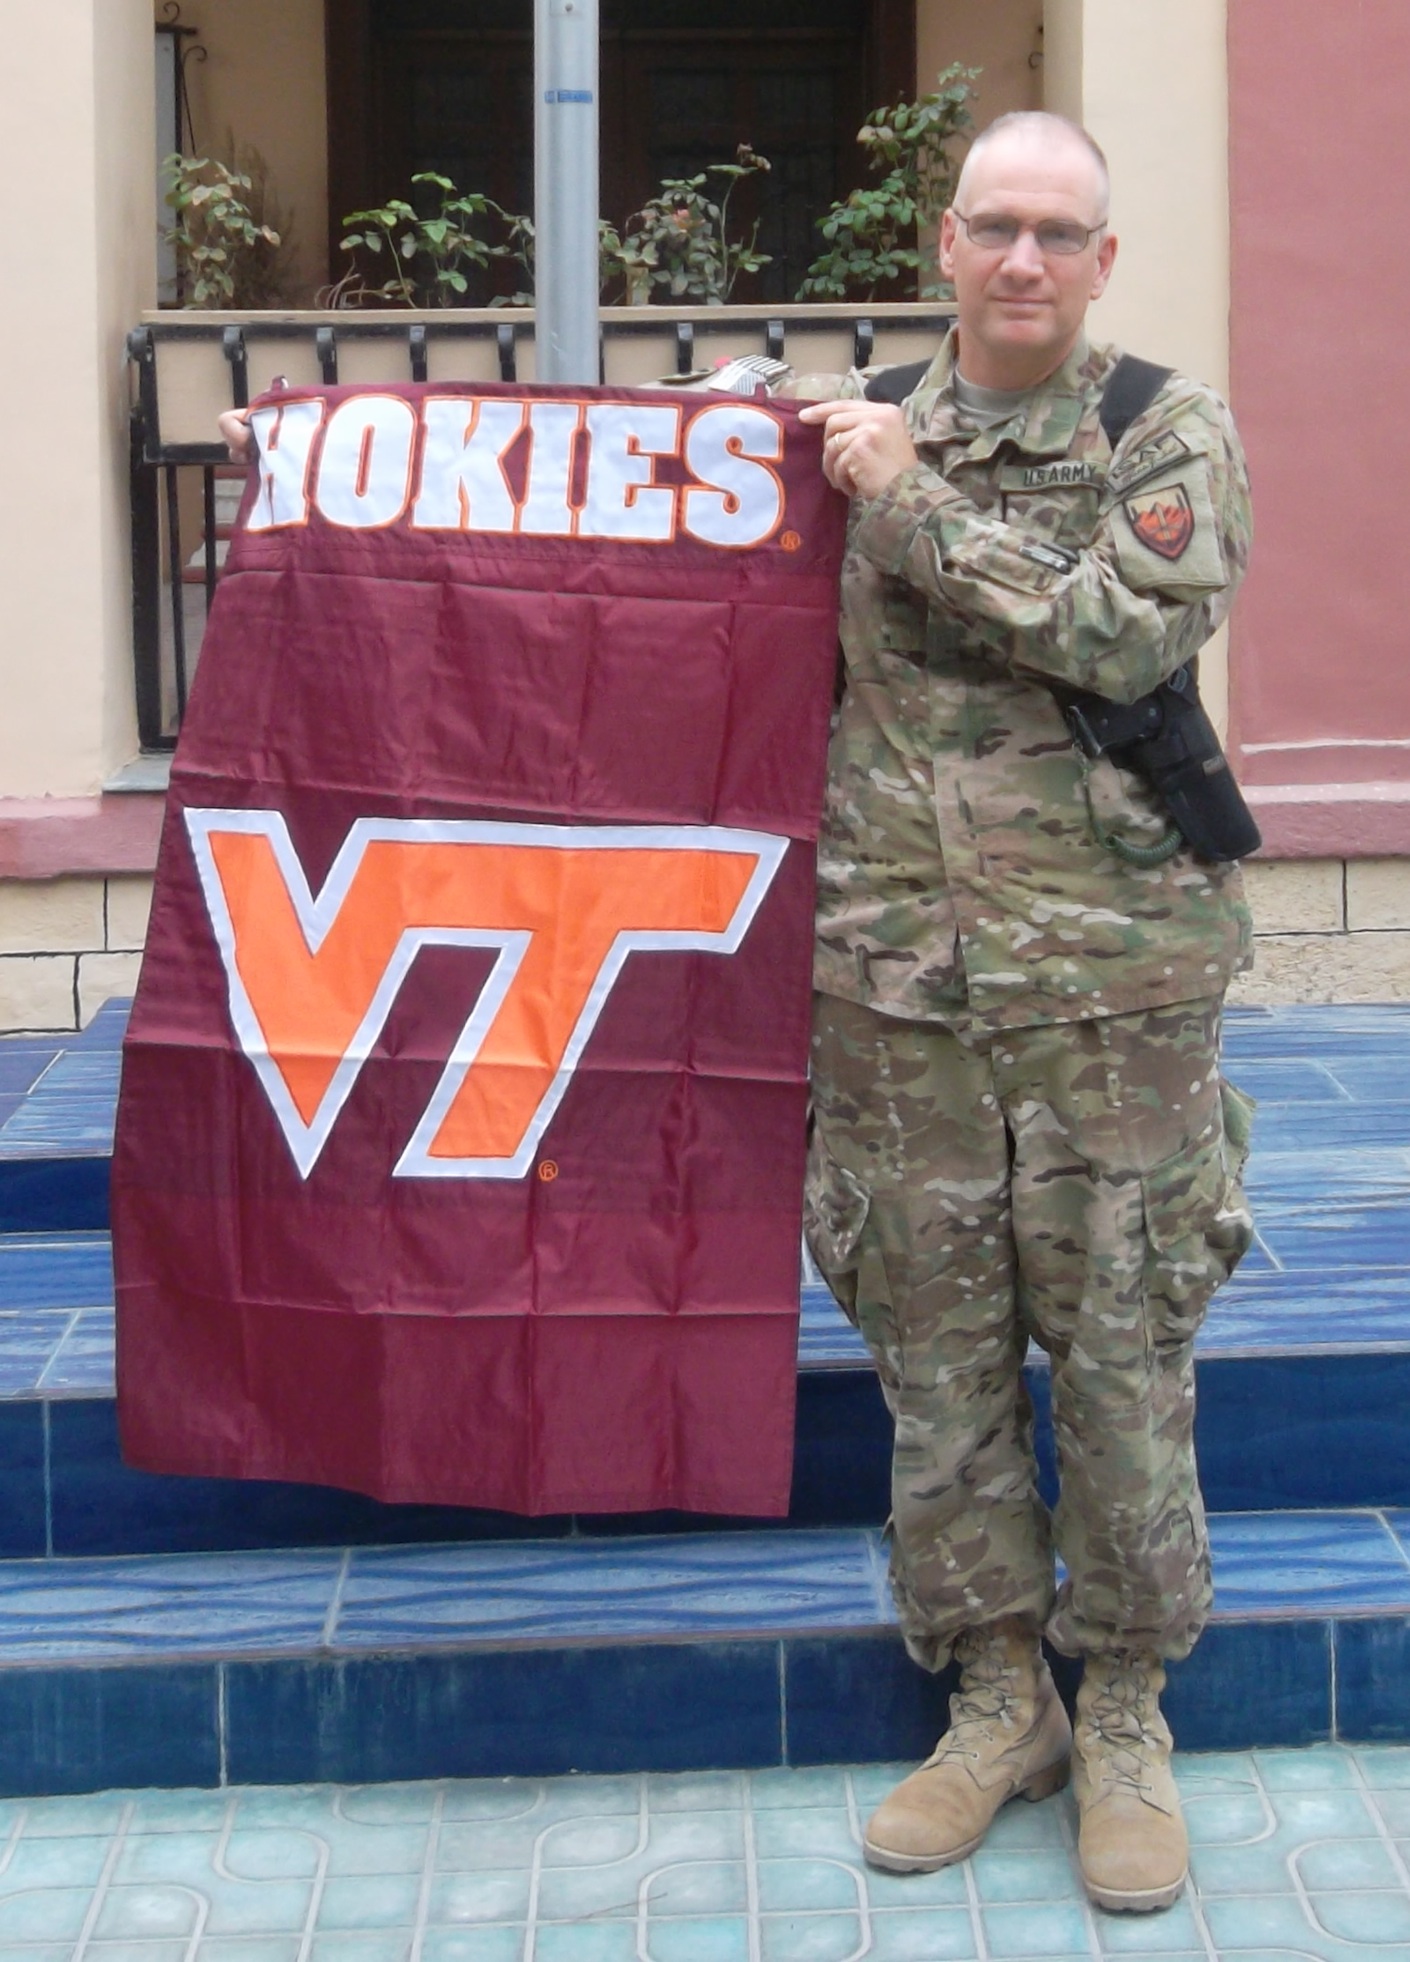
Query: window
[448,85]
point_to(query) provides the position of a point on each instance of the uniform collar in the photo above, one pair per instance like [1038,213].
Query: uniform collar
[1044,428]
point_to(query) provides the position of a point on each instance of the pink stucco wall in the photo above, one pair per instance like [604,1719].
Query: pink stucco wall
[1320,205]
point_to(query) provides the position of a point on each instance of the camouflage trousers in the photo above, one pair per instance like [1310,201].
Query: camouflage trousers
[1077,1184]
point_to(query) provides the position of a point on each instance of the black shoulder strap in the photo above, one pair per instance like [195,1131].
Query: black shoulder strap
[1131,388]
[895,384]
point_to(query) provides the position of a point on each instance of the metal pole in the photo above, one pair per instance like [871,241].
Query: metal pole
[565,190]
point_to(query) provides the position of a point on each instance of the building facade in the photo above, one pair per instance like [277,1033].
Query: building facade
[1254,223]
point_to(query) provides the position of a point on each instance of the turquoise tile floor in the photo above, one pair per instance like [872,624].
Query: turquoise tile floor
[1298,1854]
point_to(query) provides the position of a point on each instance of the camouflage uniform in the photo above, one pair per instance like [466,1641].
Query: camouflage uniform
[1020,1128]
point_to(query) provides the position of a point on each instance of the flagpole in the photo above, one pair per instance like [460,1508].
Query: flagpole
[566,190]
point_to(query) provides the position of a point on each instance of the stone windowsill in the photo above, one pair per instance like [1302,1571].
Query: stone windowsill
[150,772]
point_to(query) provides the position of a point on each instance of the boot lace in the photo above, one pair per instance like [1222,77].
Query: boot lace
[1120,1715]
[984,1702]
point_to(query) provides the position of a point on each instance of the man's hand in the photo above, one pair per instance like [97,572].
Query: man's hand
[865,445]
[235,428]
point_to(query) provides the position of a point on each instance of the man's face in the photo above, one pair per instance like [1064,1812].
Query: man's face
[1020,308]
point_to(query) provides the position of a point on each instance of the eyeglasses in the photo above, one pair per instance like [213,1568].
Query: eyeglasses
[1060,238]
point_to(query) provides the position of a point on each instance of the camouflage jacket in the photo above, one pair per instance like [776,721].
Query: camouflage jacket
[961,877]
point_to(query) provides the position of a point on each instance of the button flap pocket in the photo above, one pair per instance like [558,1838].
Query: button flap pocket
[1184,1192]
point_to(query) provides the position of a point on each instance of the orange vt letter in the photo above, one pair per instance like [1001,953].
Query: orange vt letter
[312,981]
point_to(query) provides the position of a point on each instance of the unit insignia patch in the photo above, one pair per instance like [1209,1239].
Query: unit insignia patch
[1163,520]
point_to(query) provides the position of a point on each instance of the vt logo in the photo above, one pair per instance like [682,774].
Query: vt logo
[312,979]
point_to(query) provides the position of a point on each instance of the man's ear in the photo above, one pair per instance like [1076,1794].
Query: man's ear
[948,229]
[1106,259]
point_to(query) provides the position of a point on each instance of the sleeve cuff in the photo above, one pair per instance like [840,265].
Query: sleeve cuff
[889,523]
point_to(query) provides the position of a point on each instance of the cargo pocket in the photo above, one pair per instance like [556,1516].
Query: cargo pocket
[835,1206]
[1198,1225]
[1237,1109]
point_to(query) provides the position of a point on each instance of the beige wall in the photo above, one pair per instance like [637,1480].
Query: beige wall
[1062,56]
[262,82]
[126,276]
[78,113]
[995,35]
[1150,80]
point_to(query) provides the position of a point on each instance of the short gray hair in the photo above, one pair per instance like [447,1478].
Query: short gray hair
[1045,127]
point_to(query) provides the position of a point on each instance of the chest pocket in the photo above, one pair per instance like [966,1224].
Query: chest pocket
[1056,503]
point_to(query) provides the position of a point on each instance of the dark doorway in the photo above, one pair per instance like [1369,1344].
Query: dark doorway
[448,85]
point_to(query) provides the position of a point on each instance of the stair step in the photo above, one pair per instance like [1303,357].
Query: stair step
[1330,1170]
[1303,1364]
[592,1654]
[1286,1420]
[64,1489]
[58,1098]
[337,1639]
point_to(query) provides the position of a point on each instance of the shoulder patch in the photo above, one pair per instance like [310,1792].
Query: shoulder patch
[1167,536]
[1161,453]
[1163,520]
[1019,477]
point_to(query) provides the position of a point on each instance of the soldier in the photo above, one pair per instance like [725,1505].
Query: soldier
[1020,1127]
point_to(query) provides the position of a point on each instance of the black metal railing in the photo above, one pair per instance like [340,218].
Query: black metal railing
[175,482]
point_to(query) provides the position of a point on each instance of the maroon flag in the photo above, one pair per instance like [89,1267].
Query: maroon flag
[459,1150]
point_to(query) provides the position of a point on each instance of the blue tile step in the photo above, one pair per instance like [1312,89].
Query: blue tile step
[58,1095]
[65,1490]
[661,1653]
[1331,1149]
[1301,1404]
[1302,1400]
[1304,1364]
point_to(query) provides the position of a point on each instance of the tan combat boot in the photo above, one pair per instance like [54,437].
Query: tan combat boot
[1132,1845]
[1008,1737]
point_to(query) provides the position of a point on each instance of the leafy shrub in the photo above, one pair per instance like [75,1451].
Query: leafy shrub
[872,237]
[427,253]
[678,246]
[227,254]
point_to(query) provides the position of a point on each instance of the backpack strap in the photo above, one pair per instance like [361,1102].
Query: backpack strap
[1131,387]
[895,384]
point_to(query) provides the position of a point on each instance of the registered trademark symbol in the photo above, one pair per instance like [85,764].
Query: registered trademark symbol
[790,541]
[548,1170]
